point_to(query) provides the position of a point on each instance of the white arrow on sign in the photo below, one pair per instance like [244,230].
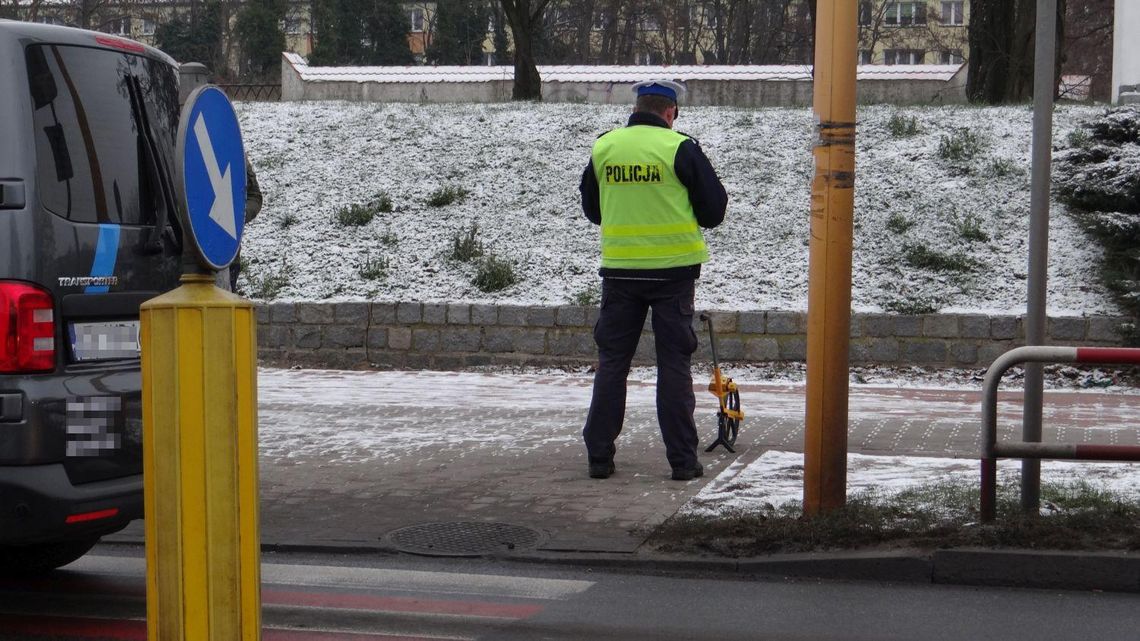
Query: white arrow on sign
[222,211]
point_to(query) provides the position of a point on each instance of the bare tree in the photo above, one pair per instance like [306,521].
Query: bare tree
[1088,44]
[1001,36]
[525,20]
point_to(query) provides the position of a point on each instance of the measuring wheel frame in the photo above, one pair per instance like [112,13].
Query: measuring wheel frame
[728,396]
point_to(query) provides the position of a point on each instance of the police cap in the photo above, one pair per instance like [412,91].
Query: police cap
[668,88]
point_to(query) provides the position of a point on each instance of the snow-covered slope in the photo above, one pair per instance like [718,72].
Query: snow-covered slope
[522,163]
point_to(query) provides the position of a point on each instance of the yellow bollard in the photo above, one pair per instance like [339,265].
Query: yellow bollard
[199,384]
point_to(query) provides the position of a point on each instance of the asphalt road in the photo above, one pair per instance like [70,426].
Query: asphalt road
[367,598]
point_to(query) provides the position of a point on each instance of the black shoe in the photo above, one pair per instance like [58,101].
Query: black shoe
[688,473]
[601,470]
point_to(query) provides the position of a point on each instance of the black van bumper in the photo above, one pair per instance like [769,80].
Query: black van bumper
[38,503]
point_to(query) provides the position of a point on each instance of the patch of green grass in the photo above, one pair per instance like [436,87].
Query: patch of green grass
[383,202]
[388,239]
[354,215]
[465,246]
[1079,138]
[374,268]
[447,195]
[1001,167]
[913,305]
[935,515]
[494,274]
[899,223]
[960,146]
[970,228]
[920,256]
[901,126]
[288,219]
[268,287]
[588,297]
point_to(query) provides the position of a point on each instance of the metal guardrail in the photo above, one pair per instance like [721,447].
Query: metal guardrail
[267,92]
[992,450]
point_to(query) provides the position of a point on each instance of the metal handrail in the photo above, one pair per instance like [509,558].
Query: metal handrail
[992,450]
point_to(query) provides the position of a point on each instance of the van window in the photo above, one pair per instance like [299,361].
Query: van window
[105,125]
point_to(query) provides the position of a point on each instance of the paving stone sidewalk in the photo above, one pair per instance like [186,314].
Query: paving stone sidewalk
[347,457]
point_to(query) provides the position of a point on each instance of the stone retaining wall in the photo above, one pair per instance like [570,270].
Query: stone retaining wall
[451,336]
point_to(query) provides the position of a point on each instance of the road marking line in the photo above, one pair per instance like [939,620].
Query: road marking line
[373,578]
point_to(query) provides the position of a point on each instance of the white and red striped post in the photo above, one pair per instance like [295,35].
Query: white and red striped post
[992,450]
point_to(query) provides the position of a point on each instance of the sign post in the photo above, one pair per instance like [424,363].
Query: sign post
[199,380]
[829,263]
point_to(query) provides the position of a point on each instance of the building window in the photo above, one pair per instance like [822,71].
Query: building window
[905,13]
[119,26]
[148,27]
[953,13]
[865,56]
[417,16]
[903,56]
[866,14]
[952,57]
[600,21]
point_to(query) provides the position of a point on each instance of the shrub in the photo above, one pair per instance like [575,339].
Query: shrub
[383,202]
[899,223]
[494,274]
[902,126]
[464,246]
[268,287]
[588,297]
[912,306]
[1100,181]
[960,146]
[970,228]
[999,167]
[354,215]
[289,219]
[447,195]
[388,239]
[1079,138]
[920,256]
[374,268]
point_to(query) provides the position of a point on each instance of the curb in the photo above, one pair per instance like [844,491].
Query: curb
[1011,568]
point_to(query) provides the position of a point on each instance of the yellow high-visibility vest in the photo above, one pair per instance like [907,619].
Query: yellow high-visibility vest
[647,219]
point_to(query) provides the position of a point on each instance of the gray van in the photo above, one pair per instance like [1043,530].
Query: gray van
[88,231]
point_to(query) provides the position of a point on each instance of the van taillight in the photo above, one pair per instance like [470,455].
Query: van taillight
[27,328]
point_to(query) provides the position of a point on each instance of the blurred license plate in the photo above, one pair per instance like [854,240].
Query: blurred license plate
[104,341]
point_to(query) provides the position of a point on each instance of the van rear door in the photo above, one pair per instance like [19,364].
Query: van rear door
[104,122]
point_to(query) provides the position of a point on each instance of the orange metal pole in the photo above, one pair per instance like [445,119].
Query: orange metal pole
[829,268]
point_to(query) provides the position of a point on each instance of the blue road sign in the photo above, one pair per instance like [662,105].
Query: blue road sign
[212,172]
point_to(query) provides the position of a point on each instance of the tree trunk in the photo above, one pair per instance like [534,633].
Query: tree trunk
[1002,42]
[528,84]
[525,18]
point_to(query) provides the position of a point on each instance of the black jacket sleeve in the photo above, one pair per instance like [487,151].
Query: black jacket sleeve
[706,193]
[591,201]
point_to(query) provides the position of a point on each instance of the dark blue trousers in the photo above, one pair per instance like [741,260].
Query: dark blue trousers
[624,307]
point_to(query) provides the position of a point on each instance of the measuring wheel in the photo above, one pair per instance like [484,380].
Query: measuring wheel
[728,420]
[726,426]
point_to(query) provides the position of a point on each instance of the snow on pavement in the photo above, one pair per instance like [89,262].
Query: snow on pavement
[351,416]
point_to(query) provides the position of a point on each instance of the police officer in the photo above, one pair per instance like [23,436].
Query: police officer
[652,190]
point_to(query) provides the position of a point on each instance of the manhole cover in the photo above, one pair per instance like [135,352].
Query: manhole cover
[462,538]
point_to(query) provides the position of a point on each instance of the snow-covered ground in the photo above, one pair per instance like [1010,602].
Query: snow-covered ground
[776,478]
[375,418]
[522,162]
